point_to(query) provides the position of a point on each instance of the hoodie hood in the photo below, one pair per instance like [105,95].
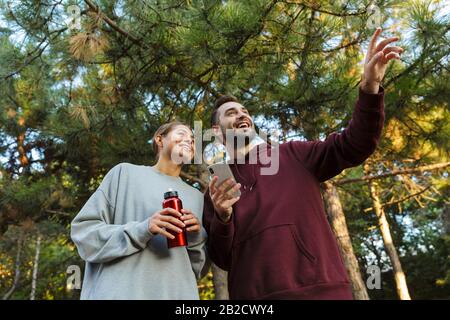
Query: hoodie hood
[246,173]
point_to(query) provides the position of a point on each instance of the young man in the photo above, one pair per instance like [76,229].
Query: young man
[275,240]
[121,232]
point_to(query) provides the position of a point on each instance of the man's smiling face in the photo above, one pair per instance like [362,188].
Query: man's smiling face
[234,117]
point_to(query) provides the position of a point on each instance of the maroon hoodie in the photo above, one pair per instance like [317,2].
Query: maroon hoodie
[279,244]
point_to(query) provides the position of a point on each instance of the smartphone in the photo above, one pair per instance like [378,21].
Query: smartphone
[223,172]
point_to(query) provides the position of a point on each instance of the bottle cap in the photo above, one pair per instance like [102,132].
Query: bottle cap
[171,193]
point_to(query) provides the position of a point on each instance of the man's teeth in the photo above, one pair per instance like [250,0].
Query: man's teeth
[243,125]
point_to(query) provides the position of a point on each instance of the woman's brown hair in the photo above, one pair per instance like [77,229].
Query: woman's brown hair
[164,130]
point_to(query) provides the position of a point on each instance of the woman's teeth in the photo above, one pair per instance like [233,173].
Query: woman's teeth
[185,147]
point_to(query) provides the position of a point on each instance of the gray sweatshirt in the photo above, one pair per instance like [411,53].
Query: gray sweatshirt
[123,259]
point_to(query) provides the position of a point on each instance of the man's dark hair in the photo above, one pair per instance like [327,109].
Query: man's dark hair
[220,101]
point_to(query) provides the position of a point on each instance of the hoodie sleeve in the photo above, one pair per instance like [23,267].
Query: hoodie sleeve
[326,159]
[220,235]
[98,240]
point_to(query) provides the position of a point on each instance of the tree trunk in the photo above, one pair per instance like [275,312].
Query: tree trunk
[20,144]
[35,268]
[17,268]
[339,226]
[446,218]
[400,279]
[220,282]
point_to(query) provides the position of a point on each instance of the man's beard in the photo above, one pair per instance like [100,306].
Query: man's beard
[237,139]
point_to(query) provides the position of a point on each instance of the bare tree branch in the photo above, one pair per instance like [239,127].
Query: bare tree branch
[202,183]
[17,269]
[394,173]
[390,203]
[35,268]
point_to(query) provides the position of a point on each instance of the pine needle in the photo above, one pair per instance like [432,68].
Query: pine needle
[86,46]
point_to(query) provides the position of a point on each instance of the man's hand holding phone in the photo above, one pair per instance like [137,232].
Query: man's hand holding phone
[223,197]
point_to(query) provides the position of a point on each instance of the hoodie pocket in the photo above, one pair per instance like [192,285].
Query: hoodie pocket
[271,260]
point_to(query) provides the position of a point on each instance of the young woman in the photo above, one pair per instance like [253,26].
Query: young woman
[122,230]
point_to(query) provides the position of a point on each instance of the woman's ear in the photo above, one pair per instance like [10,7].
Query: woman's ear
[158,140]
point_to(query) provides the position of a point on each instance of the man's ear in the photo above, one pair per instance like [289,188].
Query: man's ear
[216,129]
[217,132]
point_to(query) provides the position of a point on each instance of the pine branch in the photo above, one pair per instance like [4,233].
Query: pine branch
[316,7]
[111,23]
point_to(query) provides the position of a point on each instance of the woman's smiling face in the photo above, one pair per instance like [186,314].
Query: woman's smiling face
[178,144]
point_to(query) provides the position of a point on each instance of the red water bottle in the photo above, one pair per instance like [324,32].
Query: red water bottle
[171,200]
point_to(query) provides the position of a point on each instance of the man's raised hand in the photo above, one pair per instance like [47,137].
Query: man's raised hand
[377,58]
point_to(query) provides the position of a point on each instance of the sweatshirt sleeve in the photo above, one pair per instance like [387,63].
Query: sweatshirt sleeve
[197,253]
[98,240]
[220,235]
[326,159]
